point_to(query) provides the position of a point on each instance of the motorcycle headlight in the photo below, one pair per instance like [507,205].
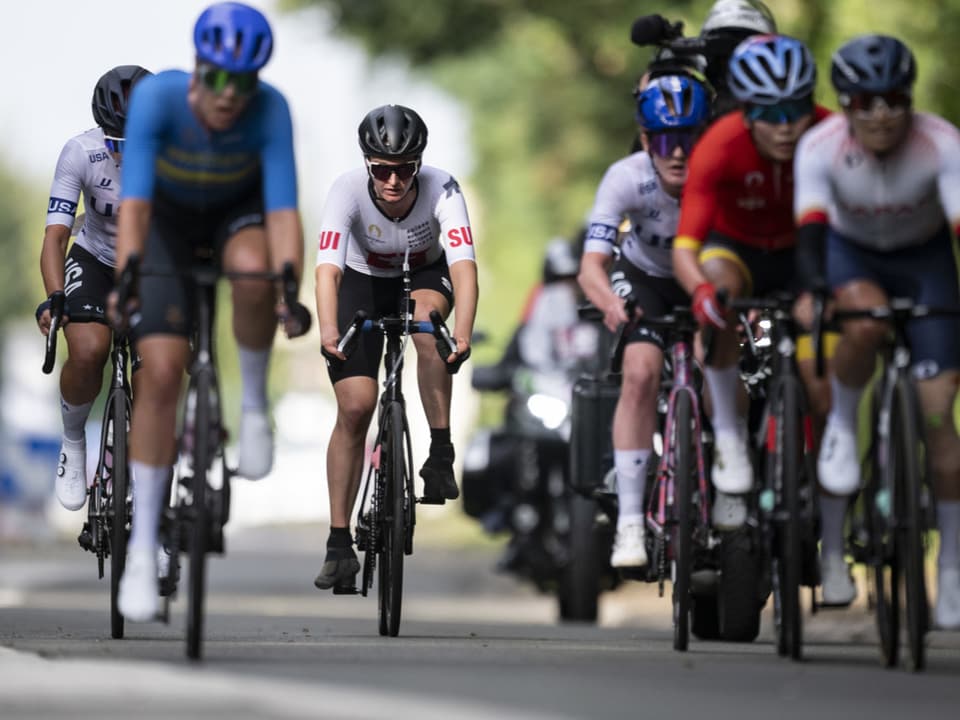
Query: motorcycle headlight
[550,411]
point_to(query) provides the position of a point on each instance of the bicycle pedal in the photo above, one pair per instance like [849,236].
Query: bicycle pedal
[86,538]
[432,500]
[345,590]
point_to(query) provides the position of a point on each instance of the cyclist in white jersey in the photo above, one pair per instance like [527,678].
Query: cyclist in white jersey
[373,217]
[89,164]
[877,191]
[643,188]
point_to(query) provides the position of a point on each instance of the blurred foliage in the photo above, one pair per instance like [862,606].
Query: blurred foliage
[17,296]
[548,86]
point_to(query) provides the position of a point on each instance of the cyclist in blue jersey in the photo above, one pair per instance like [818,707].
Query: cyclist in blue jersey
[208,175]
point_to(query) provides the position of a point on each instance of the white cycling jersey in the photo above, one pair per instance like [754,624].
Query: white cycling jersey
[356,234]
[86,167]
[881,203]
[631,189]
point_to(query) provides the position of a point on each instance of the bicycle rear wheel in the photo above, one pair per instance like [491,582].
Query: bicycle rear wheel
[118,512]
[393,475]
[684,454]
[789,549]
[910,519]
[198,515]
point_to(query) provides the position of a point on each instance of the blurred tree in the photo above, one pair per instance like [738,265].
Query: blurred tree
[16,283]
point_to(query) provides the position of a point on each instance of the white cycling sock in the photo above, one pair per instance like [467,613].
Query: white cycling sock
[253,374]
[149,488]
[845,402]
[631,468]
[833,513]
[723,384]
[948,522]
[74,419]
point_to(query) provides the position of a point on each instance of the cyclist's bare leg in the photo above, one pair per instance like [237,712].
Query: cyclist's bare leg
[855,358]
[88,346]
[432,378]
[356,402]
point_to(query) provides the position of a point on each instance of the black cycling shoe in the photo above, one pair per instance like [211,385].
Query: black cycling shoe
[439,483]
[339,571]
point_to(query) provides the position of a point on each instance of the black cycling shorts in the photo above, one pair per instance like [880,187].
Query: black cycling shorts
[86,283]
[655,296]
[379,296]
[764,271]
[181,237]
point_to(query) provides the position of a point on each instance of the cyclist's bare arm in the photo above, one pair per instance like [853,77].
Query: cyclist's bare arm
[686,268]
[285,239]
[463,276]
[133,224]
[328,278]
[52,256]
[595,282]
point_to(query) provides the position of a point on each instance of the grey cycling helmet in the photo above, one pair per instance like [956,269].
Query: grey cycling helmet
[768,69]
[873,64]
[392,131]
[111,95]
[749,16]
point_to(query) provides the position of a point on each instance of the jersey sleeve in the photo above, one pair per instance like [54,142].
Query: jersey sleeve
[338,215]
[279,165]
[610,205]
[948,177]
[67,185]
[698,204]
[456,235]
[145,122]
[811,190]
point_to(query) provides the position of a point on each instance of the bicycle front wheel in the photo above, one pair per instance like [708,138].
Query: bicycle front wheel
[393,477]
[198,515]
[911,526]
[119,510]
[683,479]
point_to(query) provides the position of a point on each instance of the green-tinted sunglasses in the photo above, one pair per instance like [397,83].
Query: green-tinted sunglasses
[217,79]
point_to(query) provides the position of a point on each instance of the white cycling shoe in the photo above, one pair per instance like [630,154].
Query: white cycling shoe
[837,587]
[732,471]
[947,610]
[138,598]
[255,445]
[838,466]
[629,549]
[729,511]
[71,485]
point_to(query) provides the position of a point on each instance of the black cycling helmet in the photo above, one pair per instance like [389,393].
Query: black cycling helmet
[873,64]
[111,94]
[392,131]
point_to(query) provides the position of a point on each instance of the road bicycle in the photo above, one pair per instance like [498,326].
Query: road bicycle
[109,506]
[386,515]
[199,508]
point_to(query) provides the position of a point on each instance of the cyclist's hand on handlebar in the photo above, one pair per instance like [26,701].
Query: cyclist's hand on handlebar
[294,318]
[615,315]
[707,308]
[804,308]
[120,320]
[329,338]
[463,350]
[44,316]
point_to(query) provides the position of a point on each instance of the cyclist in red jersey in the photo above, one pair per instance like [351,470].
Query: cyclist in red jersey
[736,229]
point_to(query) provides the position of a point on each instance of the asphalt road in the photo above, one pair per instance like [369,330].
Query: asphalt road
[473,644]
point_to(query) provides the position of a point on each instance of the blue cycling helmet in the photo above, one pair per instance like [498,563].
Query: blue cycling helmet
[233,36]
[768,69]
[670,102]
[873,64]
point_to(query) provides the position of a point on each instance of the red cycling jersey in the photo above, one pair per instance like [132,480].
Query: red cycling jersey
[731,189]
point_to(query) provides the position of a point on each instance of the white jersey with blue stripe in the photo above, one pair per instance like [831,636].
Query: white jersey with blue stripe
[631,190]
[86,167]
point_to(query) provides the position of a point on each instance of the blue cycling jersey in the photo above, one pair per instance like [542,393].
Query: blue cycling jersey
[168,150]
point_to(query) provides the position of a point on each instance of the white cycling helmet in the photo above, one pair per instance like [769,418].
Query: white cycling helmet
[744,15]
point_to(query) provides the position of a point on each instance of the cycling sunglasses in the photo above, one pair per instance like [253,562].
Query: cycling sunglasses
[867,103]
[787,111]
[216,79]
[114,144]
[664,143]
[383,171]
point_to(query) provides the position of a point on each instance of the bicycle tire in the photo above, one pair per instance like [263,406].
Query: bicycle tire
[883,556]
[684,453]
[198,516]
[393,473]
[910,526]
[118,513]
[790,630]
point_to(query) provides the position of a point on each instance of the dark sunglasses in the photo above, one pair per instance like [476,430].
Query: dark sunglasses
[867,102]
[787,111]
[114,144]
[663,144]
[404,171]
[216,79]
